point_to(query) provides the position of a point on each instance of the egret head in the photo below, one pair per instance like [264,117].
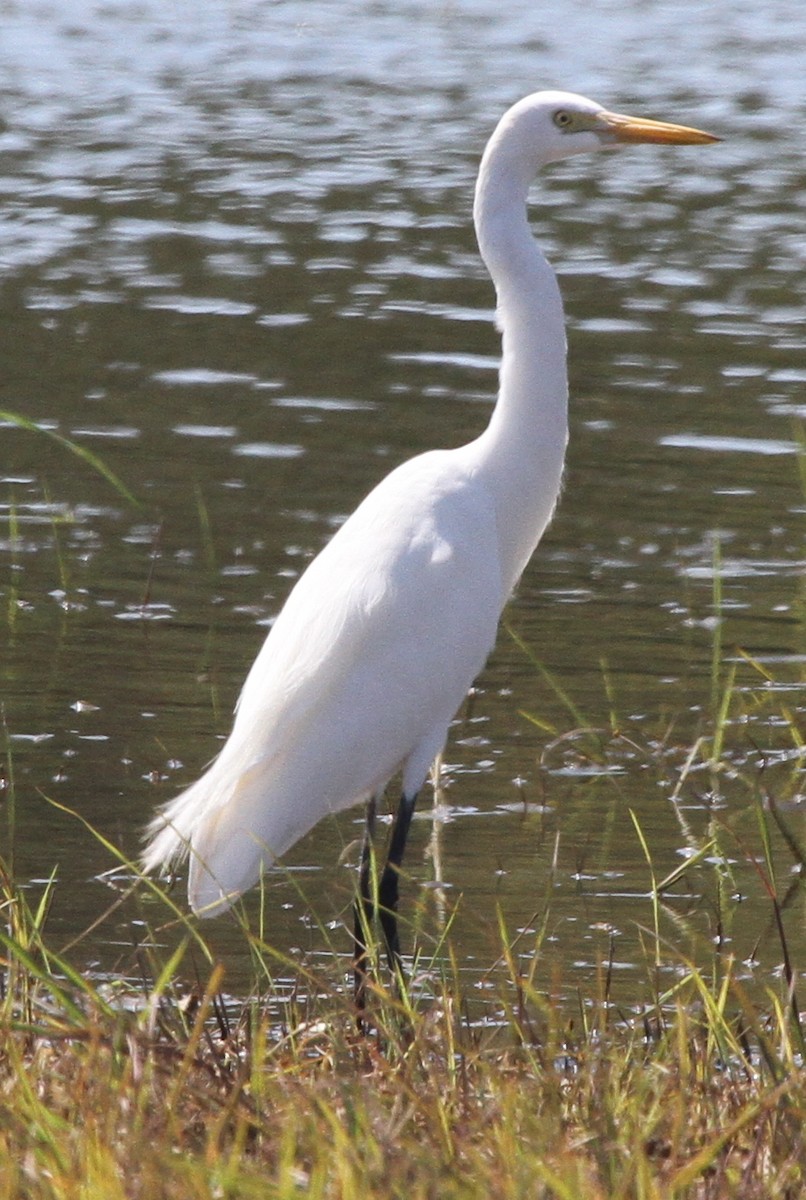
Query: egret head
[553,125]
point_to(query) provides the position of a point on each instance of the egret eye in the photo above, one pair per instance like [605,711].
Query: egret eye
[563,119]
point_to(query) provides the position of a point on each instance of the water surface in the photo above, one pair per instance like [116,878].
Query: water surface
[238,266]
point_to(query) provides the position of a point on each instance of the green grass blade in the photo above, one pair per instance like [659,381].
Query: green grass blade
[87,456]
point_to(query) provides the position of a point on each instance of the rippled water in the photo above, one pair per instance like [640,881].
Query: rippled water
[238,267]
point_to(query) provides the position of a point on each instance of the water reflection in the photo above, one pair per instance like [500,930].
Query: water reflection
[239,267]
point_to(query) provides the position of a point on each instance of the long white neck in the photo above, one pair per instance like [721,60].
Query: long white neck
[521,453]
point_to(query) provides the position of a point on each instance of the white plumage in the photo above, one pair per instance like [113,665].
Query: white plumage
[383,634]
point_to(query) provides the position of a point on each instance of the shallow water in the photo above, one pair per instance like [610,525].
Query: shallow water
[238,267]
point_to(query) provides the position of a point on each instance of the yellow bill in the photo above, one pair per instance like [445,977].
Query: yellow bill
[640,129]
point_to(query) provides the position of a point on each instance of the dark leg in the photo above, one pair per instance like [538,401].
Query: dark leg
[388,889]
[363,914]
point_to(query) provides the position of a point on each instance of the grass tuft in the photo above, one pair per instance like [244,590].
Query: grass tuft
[170,1089]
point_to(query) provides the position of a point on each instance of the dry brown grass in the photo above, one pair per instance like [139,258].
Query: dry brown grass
[159,1096]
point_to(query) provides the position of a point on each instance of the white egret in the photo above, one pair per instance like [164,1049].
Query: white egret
[381,637]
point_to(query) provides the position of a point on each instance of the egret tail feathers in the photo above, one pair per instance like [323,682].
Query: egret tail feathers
[169,834]
[231,824]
